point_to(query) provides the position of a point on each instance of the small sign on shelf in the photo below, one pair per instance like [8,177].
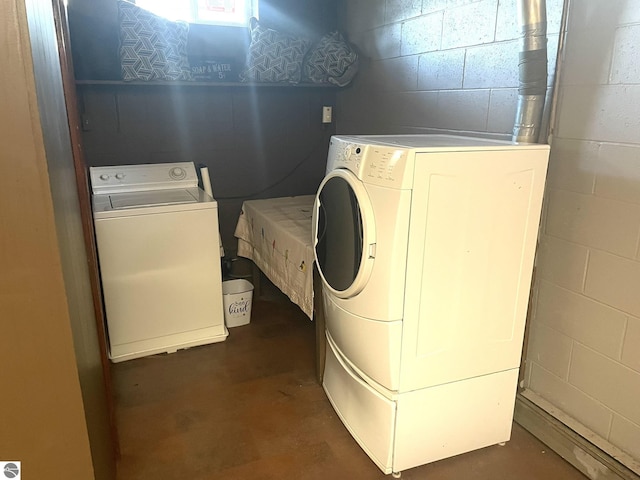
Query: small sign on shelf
[207,69]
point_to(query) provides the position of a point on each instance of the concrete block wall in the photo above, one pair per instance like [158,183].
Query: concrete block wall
[584,354]
[435,65]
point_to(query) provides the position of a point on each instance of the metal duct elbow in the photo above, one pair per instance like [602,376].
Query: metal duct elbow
[532,88]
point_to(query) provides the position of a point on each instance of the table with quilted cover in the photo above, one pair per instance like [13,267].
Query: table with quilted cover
[276,234]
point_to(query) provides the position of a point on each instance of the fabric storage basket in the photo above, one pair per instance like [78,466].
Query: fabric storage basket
[236,298]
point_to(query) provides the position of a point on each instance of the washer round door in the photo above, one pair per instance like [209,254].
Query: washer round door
[344,233]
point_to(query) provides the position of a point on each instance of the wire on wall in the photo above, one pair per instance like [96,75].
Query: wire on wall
[288,175]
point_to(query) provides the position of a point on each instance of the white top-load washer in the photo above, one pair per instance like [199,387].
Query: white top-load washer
[425,245]
[159,255]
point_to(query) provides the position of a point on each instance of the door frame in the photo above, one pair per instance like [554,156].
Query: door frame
[84,198]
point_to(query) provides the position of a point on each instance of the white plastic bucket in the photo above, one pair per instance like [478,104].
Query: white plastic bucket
[236,299]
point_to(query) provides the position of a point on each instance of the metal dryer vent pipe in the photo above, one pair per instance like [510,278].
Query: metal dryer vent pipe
[532,17]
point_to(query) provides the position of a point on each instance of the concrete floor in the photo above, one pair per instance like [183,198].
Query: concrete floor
[251,408]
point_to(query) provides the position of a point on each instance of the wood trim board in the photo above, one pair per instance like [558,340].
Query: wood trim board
[574,448]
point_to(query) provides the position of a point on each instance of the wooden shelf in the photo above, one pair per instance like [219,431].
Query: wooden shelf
[203,84]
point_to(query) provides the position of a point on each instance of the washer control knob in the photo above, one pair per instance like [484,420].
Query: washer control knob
[119,176]
[177,173]
[104,176]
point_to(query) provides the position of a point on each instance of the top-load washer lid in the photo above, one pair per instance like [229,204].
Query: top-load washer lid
[151,198]
[114,205]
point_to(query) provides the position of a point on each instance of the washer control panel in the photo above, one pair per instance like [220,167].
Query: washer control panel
[138,178]
[372,163]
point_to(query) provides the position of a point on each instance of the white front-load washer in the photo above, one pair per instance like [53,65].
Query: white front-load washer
[159,257]
[425,246]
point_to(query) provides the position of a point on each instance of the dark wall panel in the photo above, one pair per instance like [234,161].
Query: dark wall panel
[257,142]
[93,27]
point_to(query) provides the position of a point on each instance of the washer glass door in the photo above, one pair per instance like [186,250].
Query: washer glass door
[344,233]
